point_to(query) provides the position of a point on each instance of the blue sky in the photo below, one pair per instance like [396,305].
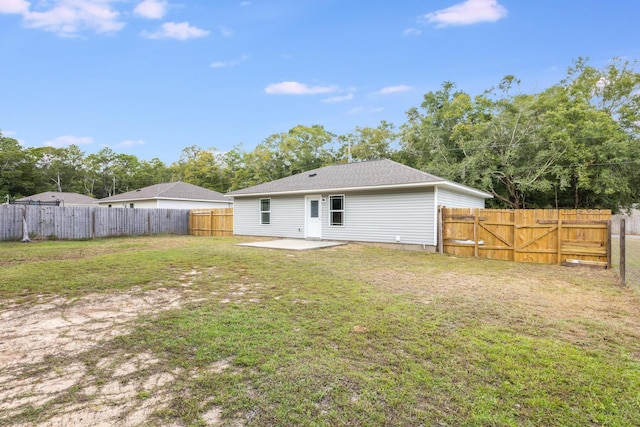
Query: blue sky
[152,77]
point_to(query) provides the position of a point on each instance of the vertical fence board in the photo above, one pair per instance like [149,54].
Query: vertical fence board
[211,222]
[548,236]
[79,222]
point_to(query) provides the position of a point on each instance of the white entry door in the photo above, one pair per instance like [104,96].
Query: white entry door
[313,221]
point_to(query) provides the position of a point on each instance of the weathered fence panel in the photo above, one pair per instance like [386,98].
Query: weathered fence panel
[79,222]
[546,236]
[211,222]
[632,222]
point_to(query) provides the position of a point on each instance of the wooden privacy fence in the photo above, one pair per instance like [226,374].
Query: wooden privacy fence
[545,236]
[78,222]
[632,220]
[211,222]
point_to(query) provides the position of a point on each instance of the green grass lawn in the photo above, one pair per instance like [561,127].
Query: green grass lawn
[353,335]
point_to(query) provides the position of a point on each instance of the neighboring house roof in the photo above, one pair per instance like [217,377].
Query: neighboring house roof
[170,190]
[369,175]
[65,198]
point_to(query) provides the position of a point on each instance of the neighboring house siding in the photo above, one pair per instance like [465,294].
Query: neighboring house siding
[148,204]
[191,204]
[145,204]
[452,199]
[165,204]
[371,217]
[287,217]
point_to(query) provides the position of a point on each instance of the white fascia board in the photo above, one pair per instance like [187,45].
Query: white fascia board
[464,189]
[452,185]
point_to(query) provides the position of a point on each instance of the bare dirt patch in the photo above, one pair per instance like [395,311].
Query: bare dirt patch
[44,380]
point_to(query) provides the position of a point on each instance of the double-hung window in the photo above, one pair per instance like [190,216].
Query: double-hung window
[265,211]
[336,211]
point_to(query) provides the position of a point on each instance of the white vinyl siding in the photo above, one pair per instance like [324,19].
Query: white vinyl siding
[452,199]
[401,216]
[191,204]
[385,217]
[167,204]
[287,217]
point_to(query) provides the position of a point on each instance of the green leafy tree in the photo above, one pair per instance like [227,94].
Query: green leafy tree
[594,122]
[429,138]
[280,155]
[16,169]
[367,143]
[200,167]
[572,145]
[60,169]
[151,172]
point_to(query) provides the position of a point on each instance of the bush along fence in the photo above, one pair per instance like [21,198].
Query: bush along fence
[78,222]
[546,236]
[211,222]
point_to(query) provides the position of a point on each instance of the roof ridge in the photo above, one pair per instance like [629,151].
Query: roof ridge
[169,186]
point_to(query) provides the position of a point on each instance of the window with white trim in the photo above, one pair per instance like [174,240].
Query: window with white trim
[336,211]
[265,211]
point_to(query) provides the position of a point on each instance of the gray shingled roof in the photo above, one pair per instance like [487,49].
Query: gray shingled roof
[66,198]
[170,190]
[371,174]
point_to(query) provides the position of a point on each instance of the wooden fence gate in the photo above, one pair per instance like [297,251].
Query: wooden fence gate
[546,236]
[211,222]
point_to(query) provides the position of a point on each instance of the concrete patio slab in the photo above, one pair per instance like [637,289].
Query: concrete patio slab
[293,244]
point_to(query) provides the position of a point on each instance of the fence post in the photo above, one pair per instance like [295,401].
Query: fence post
[623,255]
[476,232]
[559,239]
[609,244]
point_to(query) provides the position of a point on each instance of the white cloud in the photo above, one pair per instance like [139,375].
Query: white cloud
[178,31]
[365,110]
[129,143]
[65,141]
[230,63]
[393,89]
[14,6]
[226,32]
[412,32]
[296,88]
[151,9]
[68,17]
[334,99]
[467,12]
[602,83]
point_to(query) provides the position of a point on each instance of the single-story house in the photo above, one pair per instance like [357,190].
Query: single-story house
[170,195]
[374,201]
[64,199]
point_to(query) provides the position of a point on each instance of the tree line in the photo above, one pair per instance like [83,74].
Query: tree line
[573,145]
